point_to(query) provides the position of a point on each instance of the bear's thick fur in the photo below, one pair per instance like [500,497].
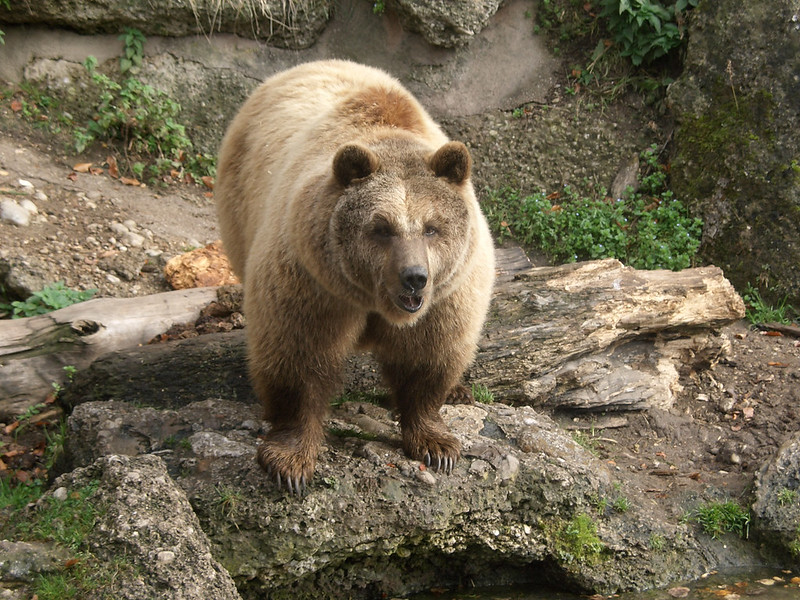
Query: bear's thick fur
[352,222]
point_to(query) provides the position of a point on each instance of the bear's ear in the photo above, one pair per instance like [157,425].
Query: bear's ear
[354,162]
[453,162]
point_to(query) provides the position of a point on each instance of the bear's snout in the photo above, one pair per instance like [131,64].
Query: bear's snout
[413,279]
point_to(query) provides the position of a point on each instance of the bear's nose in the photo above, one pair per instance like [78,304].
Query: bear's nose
[414,278]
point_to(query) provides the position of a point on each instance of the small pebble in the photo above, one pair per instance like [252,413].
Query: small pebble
[40,196]
[166,556]
[60,493]
[426,477]
[113,279]
[29,206]
[24,183]
[118,229]
[13,213]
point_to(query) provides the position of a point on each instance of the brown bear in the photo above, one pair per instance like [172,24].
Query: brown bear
[352,221]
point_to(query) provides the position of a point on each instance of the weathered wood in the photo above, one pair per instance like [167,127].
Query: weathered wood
[601,335]
[34,351]
[587,335]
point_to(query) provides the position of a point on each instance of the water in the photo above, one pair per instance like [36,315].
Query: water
[766,584]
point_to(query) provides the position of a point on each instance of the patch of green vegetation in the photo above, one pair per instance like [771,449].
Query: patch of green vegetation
[120,109]
[621,504]
[482,394]
[598,502]
[64,522]
[645,30]
[787,496]
[577,541]
[758,311]
[646,229]
[657,542]
[718,518]
[379,7]
[587,441]
[52,297]
[228,500]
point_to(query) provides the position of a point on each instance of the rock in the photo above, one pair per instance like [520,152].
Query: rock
[14,213]
[25,561]
[737,140]
[22,277]
[127,265]
[776,511]
[446,23]
[295,24]
[148,520]
[201,267]
[372,522]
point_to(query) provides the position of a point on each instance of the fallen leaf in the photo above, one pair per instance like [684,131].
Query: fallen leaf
[23,476]
[766,581]
[777,364]
[772,333]
[96,171]
[678,592]
[10,429]
[16,105]
[113,169]
[71,562]
[748,412]
[129,181]
[82,167]
[72,176]
[3,465]
[795,580]
[661,454]
[208,181]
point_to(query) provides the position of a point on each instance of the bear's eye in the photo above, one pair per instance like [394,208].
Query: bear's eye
[382,231]
[431,230]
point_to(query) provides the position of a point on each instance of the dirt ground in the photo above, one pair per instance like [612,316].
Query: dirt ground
[728,421]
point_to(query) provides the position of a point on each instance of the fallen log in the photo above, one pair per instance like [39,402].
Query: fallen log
[593,335]
[34,351]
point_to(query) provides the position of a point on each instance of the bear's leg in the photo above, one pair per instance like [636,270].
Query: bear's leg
[296,350]
[289,451]
[419,394]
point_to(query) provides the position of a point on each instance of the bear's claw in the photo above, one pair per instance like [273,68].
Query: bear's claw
[445,463]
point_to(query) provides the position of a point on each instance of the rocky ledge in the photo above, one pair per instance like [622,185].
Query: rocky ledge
[526,503]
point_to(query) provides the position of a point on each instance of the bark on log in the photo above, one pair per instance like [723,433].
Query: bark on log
[34,351]
[587,335]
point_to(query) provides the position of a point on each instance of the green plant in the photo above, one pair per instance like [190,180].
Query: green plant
[717,518]
[577,541]
[648,229]
[133,52]
[757,310]
[657,542]
[587,441]
[52,297]
[645,30]
[228,500]
[787,496]
[482,394]
[621,504]
[379,7]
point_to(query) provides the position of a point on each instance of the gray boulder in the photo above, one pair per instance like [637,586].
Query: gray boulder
[776,512]
[144,518]
[522,504]
[296,24]
[737,141]
[446,23]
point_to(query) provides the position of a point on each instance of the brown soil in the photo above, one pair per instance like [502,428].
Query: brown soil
[728,421]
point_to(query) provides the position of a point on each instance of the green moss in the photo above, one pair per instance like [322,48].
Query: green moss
[576,540]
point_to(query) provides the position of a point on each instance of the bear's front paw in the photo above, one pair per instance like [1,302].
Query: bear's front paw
[289,461]
[435,449]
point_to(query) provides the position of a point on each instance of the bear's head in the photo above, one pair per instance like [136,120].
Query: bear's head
[402,225]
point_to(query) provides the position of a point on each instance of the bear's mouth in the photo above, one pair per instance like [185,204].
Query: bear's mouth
[410,302]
